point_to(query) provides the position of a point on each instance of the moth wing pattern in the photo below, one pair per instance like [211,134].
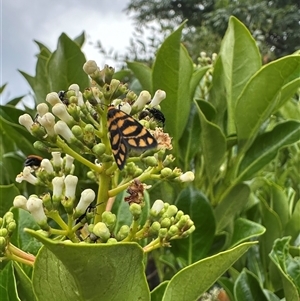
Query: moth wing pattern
[126,132]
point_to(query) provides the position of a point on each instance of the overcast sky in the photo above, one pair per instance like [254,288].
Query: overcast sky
[43,20]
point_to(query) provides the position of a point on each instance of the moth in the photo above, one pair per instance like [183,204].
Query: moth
[126,133]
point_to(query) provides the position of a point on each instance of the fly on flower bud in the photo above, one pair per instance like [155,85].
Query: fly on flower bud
[33,161]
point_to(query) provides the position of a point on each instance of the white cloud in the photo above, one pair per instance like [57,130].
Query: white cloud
[44,21]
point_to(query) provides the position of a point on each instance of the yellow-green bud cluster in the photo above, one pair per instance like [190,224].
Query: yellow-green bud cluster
[7,227]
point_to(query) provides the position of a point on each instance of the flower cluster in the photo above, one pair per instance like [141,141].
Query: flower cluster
[83,125]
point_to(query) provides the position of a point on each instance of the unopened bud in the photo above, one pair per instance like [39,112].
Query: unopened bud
[135,210]
[101,231]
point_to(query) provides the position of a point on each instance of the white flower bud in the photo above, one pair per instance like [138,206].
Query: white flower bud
[20,202]
[48,122]
[70,184]
[157,206]
[42,109]
[62,129]
[142,100]
[57,159]
[75,88]
[69,162]
[58,185]
[27,176]
[26,121]
[80,101]
[53,98]
[35,207]
[90,67]
[187,177]
[47,166]
[87,197]
[158,97]
[60,110]
[126,108]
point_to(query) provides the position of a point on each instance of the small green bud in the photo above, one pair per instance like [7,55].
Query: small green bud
[109,219]
[3,232]
[38,131]
[179,214]
[11,226]
[68,204]
[101,230]
[154,228]
[171,211]
[168,160]
[137,172]
[2,244]
[112,241]
[162,233]
[166,172]
[90,174]
[173,230]
[9,217]
[135,210]
[91,227]
[77,132]
[40,146]
[99,149]
[74,110]
[150,161]
[165,223]
[183,221]
[46,198]
[123,232]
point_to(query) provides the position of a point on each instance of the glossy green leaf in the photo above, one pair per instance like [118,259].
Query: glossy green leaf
[25,289]
[247,287]
[232,204]
[245,229]
[80,39]
[158,292]
[266,146]
[271,221]
[172,72]
[256,103]
[196,78]
[65,66]
[200,276]
[8,286]
[287,92]
[240,59]
[213,146]
[89,272]
[290,110]
[143,73]
[189,143]
[293,226]
[197,245]
[288,267]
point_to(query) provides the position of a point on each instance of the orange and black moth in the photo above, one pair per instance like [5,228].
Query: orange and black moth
[126,133]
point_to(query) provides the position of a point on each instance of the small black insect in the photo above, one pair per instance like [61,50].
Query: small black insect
[62,97]
[154,113]
[33,161]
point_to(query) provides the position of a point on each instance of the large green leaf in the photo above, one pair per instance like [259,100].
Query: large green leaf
[231,205]
[8,286]
[247,287]
[240,59]
[172,72]
[293,226]
[256,103]
[143,73]
[7,195]
[245,230]
[288,267]
[266,146]
[65,65]
[196,78]
[158,292]
[197,245]
[66,271]
[200,276]
[213,146]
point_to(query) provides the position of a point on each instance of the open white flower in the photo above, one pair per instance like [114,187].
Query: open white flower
[27,176]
